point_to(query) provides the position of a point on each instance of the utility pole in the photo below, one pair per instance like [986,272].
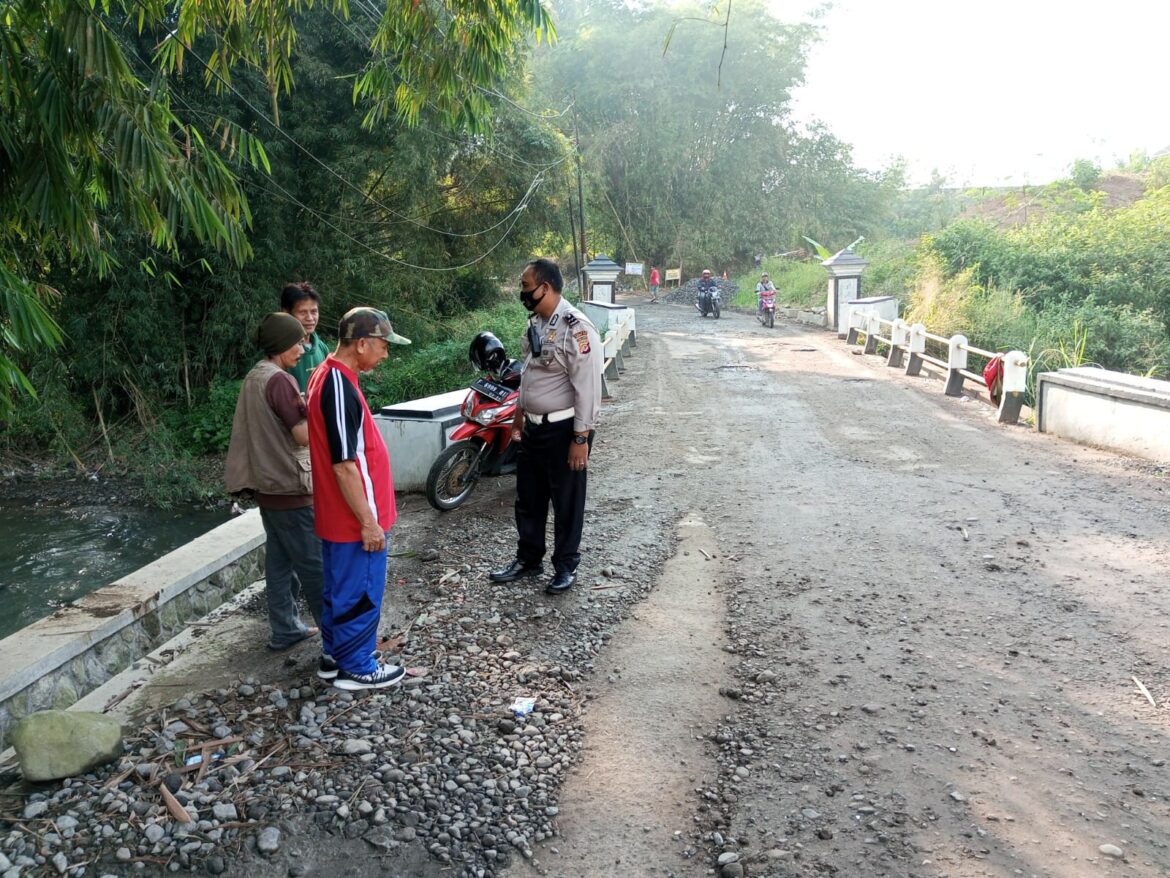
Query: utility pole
[573,237]
[580,193]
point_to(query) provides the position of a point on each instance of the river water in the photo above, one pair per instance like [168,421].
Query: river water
[51,555]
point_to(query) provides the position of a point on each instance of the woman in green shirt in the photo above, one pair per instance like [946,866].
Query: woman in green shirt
[303,302]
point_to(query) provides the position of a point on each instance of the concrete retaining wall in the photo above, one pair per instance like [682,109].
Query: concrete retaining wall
[55,661]
[415,433]
[807,316]
[1113,410]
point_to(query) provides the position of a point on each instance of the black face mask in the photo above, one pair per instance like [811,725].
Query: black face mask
[528,298]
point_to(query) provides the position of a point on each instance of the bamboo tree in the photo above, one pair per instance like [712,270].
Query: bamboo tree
[87,144]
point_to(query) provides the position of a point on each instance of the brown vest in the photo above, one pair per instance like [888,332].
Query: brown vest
[262,455]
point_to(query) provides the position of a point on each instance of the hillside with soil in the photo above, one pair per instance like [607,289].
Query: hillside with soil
[1015,206]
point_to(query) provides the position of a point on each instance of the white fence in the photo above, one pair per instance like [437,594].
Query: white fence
[619,327]
[908,343]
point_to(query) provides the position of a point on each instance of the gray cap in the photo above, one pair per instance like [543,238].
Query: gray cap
[367,322]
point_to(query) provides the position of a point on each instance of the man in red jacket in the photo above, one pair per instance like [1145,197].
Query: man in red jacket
[353,495]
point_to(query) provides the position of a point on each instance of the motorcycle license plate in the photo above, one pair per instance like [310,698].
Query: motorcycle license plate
[490,389]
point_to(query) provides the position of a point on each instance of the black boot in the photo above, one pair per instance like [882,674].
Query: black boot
[516,570]
[561,583]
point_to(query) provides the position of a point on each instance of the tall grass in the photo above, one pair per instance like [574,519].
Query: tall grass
[1057,334]
[804,283]
[798,284]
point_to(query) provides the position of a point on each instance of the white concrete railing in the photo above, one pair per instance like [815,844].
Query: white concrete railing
[620,336]
[904,339]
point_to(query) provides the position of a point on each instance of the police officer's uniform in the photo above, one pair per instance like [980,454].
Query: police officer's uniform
[560,395]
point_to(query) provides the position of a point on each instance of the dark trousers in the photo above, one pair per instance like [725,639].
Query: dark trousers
[292,568]
[543,475]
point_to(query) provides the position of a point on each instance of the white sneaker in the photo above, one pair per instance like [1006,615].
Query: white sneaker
[381,677]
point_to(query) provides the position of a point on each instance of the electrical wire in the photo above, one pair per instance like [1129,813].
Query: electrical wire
[324,218]
[347,183]
[321,217]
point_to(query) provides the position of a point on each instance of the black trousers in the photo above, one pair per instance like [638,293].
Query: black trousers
[543,476]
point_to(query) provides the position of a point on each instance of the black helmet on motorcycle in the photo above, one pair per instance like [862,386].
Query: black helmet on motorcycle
[487,353]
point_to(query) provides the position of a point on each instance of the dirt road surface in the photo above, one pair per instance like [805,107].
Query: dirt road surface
[828,622]
[918,660]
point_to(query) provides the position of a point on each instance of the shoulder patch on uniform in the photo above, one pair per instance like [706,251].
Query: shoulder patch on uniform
[571,319]
[582,338]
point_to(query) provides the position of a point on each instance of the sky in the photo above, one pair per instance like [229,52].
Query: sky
[989,92]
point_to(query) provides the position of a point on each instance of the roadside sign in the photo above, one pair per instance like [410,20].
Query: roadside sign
[674,274]
[634,268]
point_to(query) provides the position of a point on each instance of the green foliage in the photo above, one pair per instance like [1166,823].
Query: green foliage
[798,283]
[442,56]
[443,365]
[692,157]
[1085,174]
[1159,172]
[109,160]
[892,268]
[820,249]
[153,342]
[1117,257]
[169,472]
[926,209]
[209,424]
[1056,333]
[84,140]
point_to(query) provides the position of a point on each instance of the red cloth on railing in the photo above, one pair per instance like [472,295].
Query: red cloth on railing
[993,377]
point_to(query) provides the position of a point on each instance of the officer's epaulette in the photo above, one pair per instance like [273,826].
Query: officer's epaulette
[571,319]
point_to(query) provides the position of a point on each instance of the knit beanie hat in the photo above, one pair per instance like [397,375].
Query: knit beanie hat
[278,332]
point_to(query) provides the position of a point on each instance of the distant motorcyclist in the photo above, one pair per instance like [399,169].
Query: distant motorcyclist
[707,284]
[707,299]
[765,289]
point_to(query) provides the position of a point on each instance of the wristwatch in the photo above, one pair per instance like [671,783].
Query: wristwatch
[580,440]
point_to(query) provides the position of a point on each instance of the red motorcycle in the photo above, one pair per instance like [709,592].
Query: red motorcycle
[482,444]
[766,312]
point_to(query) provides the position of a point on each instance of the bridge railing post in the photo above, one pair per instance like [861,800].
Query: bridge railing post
[854,327]
[1015,384]
[956,362]
[899,336]
[916,348]
[873,328]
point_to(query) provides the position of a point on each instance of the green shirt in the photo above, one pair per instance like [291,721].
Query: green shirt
[314,355]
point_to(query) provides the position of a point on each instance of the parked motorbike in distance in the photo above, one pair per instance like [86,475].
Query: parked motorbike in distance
[482,444]
[709,302]
[766,313]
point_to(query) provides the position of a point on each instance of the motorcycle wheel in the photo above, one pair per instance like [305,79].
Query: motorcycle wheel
[452,479]
[715,309]
[771,319]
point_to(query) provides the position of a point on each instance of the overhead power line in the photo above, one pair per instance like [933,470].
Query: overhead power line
[325,166]
[324,217]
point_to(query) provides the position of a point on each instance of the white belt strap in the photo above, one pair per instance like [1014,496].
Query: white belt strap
[550,417]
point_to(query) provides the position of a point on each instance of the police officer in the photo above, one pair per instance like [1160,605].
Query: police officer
[560,396]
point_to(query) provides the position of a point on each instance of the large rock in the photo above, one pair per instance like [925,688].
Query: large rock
[53,744]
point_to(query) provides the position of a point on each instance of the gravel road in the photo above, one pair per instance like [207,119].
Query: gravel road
[829,622]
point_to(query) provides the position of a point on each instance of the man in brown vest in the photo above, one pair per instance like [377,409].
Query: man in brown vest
[268,457]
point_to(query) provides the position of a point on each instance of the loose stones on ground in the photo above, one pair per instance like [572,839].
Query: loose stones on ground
[439,762]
